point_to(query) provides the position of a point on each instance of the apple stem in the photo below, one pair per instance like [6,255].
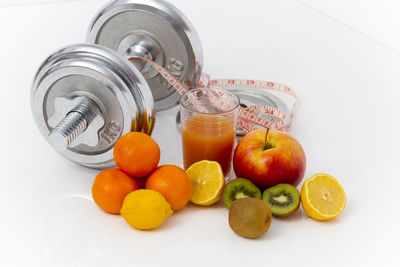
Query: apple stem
[267,144]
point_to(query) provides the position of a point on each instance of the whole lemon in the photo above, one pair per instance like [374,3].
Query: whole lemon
[145,209]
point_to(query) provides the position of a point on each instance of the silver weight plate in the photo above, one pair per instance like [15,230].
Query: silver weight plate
[157,30]
[117,88]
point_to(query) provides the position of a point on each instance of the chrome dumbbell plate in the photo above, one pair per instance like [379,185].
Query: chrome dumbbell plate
[120,101]
[157,30]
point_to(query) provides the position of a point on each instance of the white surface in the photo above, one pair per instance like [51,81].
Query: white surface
[347,120]
[29,2]
[378,19]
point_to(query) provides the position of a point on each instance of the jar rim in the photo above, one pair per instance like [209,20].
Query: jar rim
[233,96]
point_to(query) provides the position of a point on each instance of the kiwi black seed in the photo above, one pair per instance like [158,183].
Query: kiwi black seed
[249,217]
[239,188]
[283,199]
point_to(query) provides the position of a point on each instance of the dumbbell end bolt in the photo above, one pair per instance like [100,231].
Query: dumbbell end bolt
[73,125]
[138,46]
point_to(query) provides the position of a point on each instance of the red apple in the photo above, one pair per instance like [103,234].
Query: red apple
[267,162]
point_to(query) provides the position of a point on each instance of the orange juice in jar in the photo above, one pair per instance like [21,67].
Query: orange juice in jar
[208,134]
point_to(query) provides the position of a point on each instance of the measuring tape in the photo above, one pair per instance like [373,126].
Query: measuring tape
[249,116]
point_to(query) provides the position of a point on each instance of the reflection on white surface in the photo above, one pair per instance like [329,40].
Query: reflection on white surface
[72,230]
[63,218]
[167,135]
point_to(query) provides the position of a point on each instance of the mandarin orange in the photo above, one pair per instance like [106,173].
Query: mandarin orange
[173,183]
[110,188]
[137,154]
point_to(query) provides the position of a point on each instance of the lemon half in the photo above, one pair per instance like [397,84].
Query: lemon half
[323,197]
[208,182]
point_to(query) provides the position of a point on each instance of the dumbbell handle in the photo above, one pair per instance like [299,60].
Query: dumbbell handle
[74,124]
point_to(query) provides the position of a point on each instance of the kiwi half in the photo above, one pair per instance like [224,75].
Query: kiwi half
[239,188]
[283,199]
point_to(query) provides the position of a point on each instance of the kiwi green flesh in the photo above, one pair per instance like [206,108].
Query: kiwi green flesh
[283,199]
[239,188]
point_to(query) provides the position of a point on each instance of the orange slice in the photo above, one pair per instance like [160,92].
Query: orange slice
[323,197]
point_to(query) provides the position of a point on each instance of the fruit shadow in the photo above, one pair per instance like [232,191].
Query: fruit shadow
[302,215]
[178,218]
[218,205]
[274,232]
[298,216]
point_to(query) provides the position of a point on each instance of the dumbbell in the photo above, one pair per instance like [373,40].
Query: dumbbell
[85,96]
[156,30]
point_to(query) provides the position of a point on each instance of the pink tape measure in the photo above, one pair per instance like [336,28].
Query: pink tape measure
[276,117]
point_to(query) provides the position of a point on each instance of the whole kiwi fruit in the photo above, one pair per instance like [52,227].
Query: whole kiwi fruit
[249,217]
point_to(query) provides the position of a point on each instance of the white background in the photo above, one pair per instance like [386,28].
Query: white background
[341,59]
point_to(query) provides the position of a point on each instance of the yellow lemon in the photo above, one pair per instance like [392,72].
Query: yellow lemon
[145,209]
[208,182]
[323,197]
